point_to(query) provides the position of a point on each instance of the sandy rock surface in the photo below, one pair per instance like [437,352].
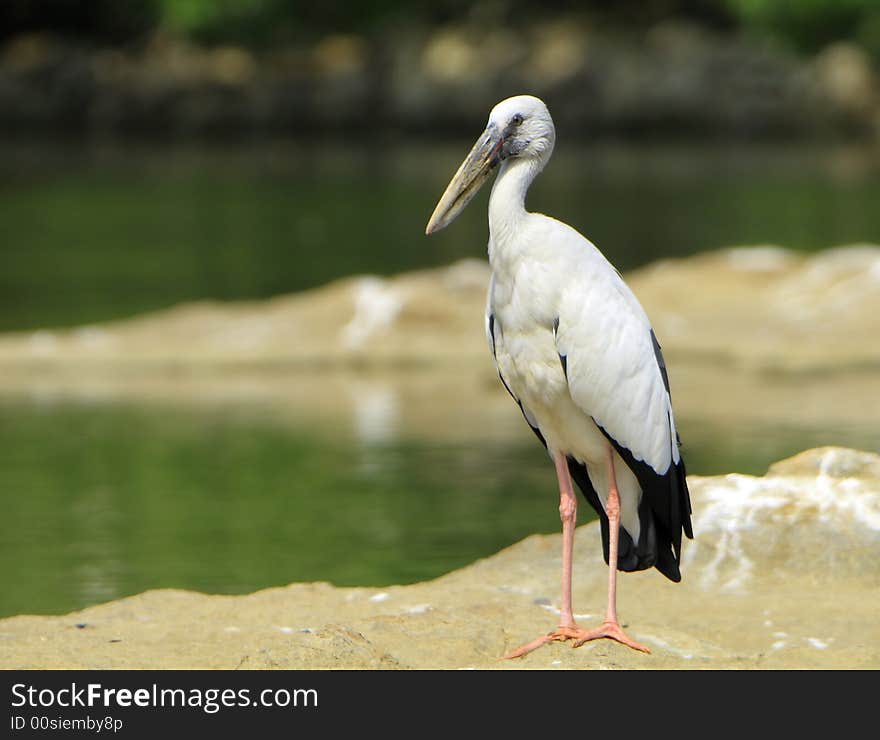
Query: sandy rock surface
[764,308]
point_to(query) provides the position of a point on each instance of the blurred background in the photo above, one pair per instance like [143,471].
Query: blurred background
[207,160]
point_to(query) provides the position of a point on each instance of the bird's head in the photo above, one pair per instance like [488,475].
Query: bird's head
[519,128]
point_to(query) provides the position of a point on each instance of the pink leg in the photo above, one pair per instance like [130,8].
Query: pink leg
[611,627]
[568,515]
[568,628]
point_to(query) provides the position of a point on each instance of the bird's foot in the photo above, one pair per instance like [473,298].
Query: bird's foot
[613,631]
[560,633]
[609,629]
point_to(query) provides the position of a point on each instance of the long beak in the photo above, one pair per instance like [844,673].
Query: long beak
[471,175]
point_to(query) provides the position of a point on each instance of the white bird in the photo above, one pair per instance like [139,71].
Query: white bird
[575,349]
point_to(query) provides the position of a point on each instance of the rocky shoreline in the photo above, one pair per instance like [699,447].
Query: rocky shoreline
[675,78]
[781,575]
[760,308]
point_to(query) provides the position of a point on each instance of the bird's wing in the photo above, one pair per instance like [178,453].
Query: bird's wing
[614,367]
[616,374]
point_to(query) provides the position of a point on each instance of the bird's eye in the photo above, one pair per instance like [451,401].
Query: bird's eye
[516,120]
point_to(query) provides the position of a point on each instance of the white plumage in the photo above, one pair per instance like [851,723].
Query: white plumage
[575,349]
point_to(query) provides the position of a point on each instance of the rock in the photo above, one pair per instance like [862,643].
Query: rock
[782,574]
[450,57]
[768,308]
[232,65]
[416,318]
[341,56]
[28,52]
[845,75]
[830,463]
[786,336]
[761,308]
[817,513]
[557,53]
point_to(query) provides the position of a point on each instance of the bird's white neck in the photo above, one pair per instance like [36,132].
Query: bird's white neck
[507,204]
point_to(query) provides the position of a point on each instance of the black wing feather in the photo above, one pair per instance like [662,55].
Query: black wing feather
[661,508]
[661,363]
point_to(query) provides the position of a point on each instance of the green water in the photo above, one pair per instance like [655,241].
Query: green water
[102,500]
[106,500]
[95,232]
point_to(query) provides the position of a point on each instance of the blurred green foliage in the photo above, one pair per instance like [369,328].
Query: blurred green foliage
[805,25]
[809,25]
[261,22]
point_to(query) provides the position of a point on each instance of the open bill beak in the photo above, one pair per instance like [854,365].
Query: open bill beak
[471,176]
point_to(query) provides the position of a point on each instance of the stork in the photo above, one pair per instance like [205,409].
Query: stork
[575,349]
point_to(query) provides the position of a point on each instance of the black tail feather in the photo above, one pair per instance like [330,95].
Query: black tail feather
[659,543]
[666,503]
